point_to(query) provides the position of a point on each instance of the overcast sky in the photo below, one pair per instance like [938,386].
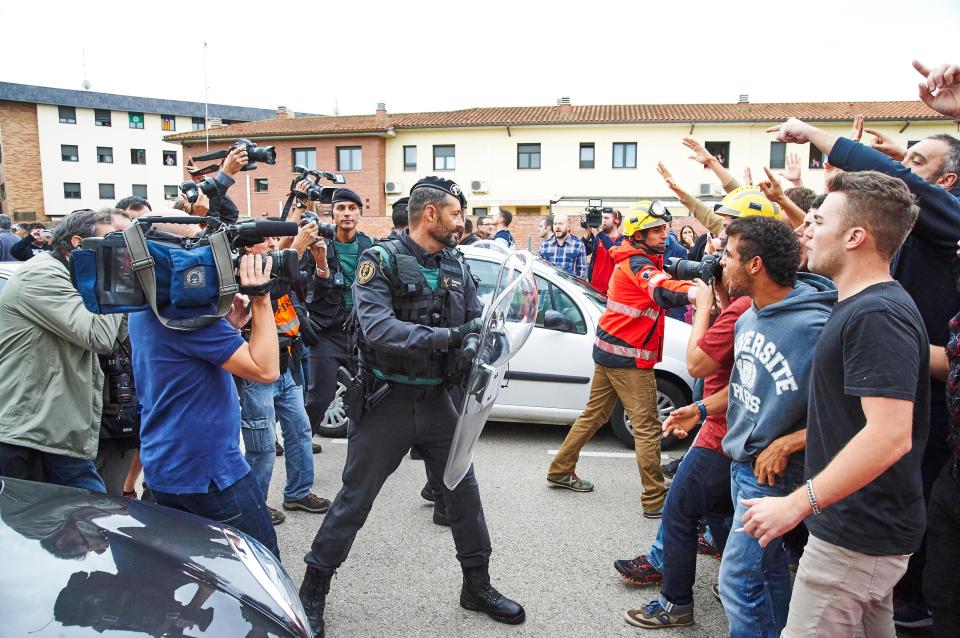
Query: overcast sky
[426,55]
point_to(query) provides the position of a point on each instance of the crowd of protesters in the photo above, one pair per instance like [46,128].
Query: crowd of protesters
[829,410]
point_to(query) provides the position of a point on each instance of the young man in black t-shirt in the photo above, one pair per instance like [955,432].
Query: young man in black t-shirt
[867,421]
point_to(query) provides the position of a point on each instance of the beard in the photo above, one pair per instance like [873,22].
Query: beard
[448,238]
[561,235]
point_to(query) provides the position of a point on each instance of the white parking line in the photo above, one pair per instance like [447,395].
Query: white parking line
[612,455]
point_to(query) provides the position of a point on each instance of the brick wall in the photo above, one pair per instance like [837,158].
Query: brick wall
[20,168]
[368,183]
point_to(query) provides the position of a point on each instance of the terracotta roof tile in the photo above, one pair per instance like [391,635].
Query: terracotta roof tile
[587,114]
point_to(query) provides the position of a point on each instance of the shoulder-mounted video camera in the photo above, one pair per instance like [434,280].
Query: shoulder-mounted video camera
[187,282]
[593,214]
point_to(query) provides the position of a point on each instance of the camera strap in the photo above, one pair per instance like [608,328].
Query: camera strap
[143,264]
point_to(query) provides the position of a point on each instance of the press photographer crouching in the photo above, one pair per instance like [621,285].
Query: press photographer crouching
[263,404]
[51,383]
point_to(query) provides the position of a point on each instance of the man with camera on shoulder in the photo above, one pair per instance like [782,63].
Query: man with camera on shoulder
[330,268]
[51,383]
[190,420]
[629,342]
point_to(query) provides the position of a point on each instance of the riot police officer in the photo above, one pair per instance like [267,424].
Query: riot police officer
[415,302]
[331,268]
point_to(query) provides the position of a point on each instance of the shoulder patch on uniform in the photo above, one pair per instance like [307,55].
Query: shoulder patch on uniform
[646,273]
[366,271]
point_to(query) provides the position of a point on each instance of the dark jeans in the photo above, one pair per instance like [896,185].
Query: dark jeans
[700,490]
[941,583]
[326,357]
[407,417]
[242,505]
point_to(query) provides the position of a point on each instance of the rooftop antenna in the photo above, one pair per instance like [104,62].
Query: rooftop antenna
[206,99]
[86,83]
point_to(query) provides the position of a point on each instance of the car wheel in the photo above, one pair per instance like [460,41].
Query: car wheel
[334,424]
[669,398]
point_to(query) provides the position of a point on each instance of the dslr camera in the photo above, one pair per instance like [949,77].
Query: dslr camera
[707,270]
[593,214]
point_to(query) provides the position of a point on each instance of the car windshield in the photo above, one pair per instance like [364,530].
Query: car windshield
[588,290]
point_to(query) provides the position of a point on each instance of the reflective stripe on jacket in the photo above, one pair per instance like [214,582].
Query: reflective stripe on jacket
[630,331]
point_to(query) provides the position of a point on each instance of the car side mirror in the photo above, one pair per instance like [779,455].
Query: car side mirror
[554,320]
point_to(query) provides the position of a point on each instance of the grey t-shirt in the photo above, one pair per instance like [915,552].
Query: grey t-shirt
[874,345]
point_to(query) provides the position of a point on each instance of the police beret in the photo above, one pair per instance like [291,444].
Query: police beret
[346,195]
[446,185]
[401,203]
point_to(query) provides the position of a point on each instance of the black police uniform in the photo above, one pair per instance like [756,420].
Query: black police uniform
[412,413]
[404,338]
[329,336]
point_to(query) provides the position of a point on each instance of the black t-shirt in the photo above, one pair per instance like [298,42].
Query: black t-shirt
[873,345]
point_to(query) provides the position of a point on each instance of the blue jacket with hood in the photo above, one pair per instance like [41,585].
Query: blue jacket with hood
[773,355]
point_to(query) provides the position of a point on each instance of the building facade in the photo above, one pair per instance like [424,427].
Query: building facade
[61,150]
[534,161]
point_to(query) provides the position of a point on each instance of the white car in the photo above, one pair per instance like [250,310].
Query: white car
[548,381]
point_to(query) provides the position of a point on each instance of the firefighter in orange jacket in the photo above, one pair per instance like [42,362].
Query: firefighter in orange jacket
[628,343]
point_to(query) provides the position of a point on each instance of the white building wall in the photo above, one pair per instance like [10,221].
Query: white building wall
[490,155]
[89,173]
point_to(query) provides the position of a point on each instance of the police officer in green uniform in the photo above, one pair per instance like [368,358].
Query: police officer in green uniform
[415,302]
[330,270]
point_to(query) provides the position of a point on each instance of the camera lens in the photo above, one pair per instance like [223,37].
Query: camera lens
[265,154]
[328,230]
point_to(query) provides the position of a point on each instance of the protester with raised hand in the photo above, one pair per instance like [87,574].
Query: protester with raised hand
[702,156]
[941,90]
[925,265]
[701,211]
[774,192]
[792,172]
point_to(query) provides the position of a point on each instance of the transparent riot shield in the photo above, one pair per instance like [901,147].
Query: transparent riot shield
[507,322]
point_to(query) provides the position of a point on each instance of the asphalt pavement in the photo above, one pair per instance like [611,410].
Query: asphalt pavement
[553,549]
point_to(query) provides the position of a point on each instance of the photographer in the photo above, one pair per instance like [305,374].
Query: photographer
[190,419]
[601,266]
[36,243]
[50,380]
[628,344]
[331,268]
[263,404]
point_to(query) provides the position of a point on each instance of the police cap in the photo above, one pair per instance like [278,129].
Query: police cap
[445,185]
[346,195]
[401,203]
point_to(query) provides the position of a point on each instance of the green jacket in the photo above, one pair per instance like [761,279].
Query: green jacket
[51,385]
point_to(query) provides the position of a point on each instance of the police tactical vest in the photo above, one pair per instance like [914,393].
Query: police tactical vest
[428,297]
[328,308]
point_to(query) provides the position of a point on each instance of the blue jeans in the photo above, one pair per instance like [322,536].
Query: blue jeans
[261,405]
[72,472]
[700,490]
[242,505]
[754,581]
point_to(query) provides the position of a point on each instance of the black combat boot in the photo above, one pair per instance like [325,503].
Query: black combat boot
[313,595]
[477,594]
[440,512]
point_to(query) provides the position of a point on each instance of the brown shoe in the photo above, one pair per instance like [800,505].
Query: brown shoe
[309,503]
[276,517]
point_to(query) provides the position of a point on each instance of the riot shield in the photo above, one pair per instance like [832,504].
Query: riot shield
[507,322]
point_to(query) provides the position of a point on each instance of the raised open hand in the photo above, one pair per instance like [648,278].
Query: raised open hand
[700,153]
[857,131]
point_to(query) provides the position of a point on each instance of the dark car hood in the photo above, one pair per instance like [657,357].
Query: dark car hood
[78,563]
